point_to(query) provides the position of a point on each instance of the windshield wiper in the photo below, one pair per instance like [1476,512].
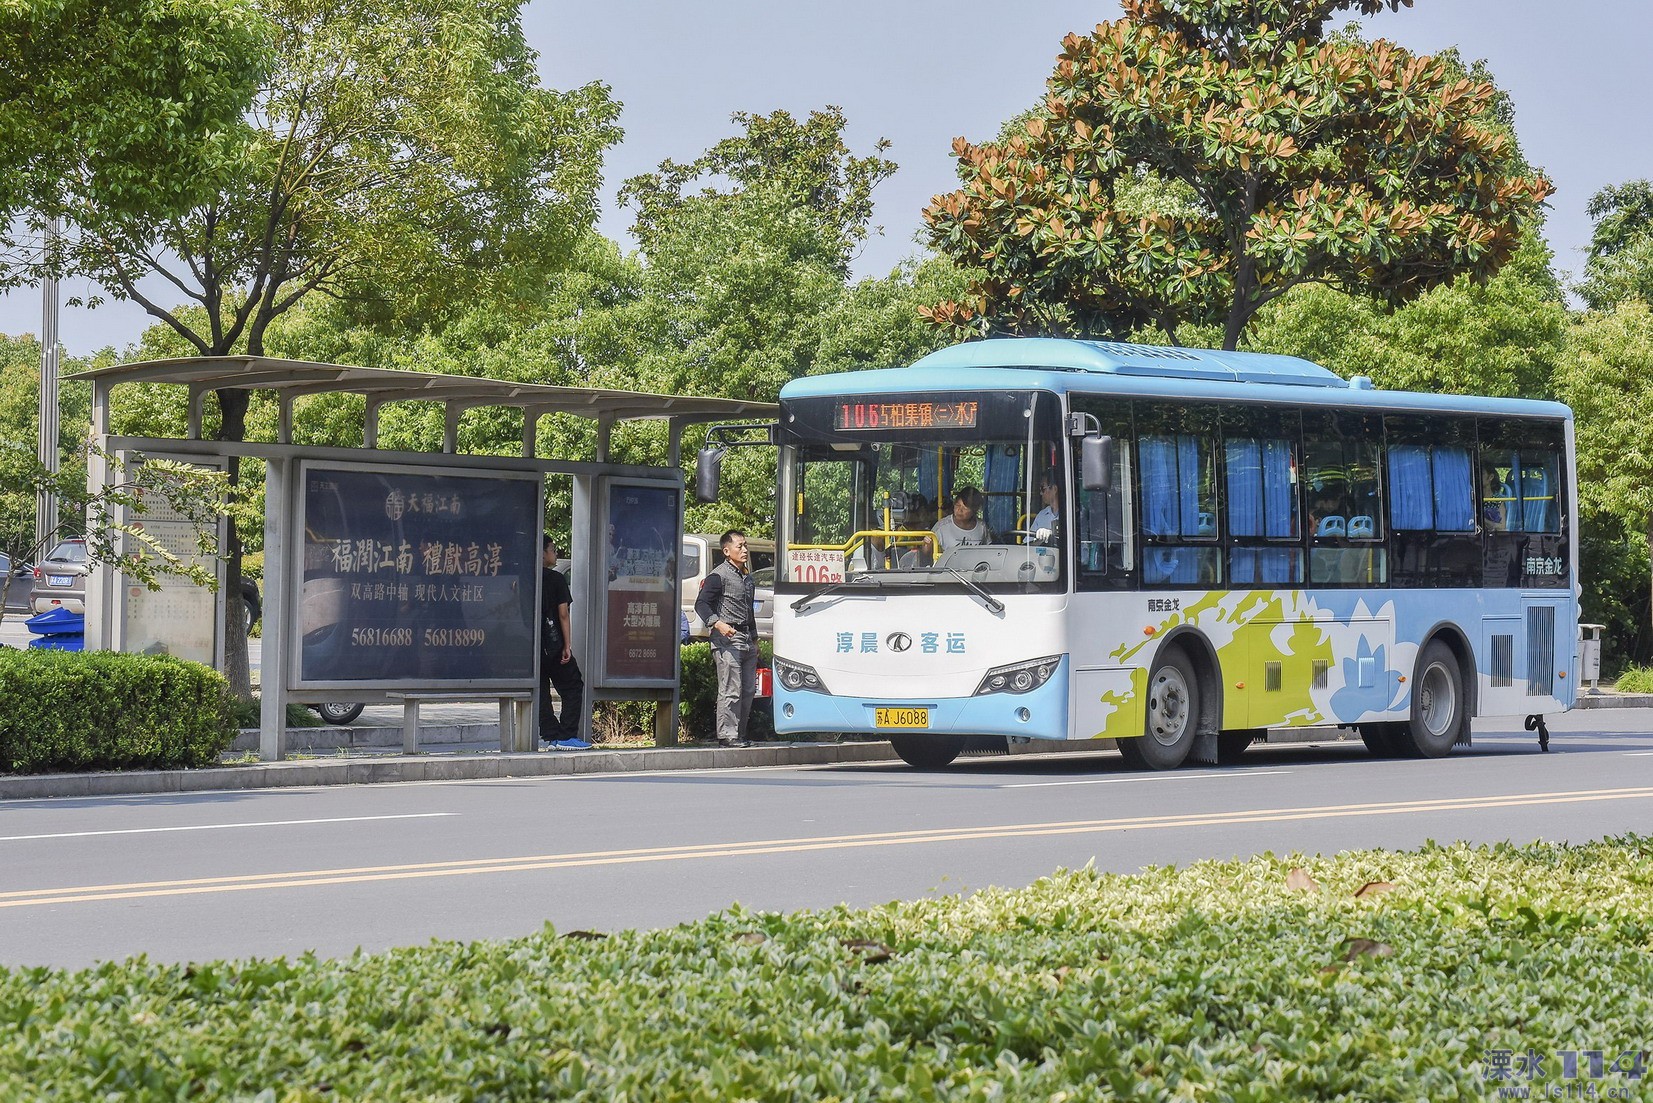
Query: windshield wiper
[994,605]
[833,587]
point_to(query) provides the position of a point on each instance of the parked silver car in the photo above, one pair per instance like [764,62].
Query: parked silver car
[60,581]
[60,578]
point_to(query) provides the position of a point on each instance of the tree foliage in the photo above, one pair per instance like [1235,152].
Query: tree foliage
[777,162]
[1288,156]
[1620,266]
[1505,337]
[398,156]
[126,107]
[1604,378]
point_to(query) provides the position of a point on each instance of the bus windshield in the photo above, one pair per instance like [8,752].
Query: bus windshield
[923,492]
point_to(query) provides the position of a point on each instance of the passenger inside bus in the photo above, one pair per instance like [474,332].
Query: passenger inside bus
[964,525]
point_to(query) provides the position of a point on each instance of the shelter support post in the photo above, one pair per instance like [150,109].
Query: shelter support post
[278,549]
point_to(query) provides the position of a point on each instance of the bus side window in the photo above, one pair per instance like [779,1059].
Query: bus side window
[1107,519]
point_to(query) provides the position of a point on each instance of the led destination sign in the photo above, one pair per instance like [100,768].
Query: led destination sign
[905,415]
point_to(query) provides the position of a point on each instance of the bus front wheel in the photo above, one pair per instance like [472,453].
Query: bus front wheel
[1172,720]
[1383,740]
[1438,705]
[927,752]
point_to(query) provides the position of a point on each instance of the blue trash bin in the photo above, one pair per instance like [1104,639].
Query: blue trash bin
[58,629]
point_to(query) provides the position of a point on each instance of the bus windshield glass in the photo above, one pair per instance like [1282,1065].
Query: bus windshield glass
[924,489]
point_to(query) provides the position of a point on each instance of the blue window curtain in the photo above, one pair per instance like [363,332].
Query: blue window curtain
[1537,485]
[1188,485]
[1454,489]
[1002,475]
[1171,485]
[1279,492]
[1411,499]
[1245,491]
[1262,499]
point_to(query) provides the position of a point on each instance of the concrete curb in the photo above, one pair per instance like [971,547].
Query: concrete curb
[334,738]
[1588,700]
[464,766]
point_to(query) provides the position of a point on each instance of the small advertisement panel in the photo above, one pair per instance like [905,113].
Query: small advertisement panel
[414,577]
[178,618]
[642,612]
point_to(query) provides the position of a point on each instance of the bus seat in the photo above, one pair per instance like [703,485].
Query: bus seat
[1206,524]
[1331,525]
[1361,528]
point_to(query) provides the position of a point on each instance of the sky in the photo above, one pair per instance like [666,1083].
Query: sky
[922,74]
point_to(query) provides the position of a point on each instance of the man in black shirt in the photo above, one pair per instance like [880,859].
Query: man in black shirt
[557,665]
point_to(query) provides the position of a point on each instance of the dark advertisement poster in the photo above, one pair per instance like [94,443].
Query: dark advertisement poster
[642,581]
[418,578]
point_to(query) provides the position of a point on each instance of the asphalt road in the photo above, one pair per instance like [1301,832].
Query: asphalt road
[203,876]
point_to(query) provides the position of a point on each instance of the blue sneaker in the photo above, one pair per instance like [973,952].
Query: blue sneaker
[572,745]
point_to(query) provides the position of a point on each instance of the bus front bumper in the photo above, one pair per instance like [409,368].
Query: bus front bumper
[1041,713]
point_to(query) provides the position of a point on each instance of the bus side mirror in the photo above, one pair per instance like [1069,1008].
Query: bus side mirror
[708,470]
[1096,462]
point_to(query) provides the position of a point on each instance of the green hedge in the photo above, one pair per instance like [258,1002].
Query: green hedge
[697,695]
[99,710]
[1217,982]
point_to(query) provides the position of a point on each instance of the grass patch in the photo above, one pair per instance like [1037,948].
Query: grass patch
[1220,981]
[1635,679]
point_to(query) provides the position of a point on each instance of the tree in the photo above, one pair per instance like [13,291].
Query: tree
[745,249]
[1620,266]
[1290,156]
[19,425]
[1505,337]
[1604,378]
[118,105]
[806,167]
[401,157]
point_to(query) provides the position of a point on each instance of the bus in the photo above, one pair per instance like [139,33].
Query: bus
[1230,543]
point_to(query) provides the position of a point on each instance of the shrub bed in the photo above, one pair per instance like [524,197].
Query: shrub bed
[1365,976]
[99,710]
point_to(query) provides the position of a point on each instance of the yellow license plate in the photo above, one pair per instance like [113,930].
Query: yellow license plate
[901,718]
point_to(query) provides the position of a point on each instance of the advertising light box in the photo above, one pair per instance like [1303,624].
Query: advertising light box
[416,578]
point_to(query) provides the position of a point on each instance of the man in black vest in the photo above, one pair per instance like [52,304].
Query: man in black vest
[557,665]
[725,605]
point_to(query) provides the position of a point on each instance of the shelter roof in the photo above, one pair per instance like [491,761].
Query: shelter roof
[295,378]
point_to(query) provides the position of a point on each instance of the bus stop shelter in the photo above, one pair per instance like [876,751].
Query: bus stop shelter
[390,574]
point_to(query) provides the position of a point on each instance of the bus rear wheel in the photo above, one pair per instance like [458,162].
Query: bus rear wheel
[1172,717]
[927,752]
[1438,705]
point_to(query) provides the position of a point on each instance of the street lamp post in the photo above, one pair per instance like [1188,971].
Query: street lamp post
[45,509]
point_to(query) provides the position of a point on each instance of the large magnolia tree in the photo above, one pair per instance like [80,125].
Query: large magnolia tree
[1195,159]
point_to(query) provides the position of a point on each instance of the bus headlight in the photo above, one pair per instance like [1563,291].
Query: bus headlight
[796,676]
[1018,677]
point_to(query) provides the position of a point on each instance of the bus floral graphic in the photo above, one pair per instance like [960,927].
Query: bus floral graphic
[1369,685]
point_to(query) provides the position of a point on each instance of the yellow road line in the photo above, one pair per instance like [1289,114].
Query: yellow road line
[468,867]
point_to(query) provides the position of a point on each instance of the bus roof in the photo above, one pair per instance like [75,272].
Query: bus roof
[1061,365]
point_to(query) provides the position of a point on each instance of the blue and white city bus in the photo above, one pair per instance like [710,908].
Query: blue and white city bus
[1242,542]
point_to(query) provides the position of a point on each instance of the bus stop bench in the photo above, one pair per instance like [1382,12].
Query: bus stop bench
[515,715]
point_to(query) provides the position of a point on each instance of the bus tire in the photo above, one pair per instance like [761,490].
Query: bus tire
[1171,719]
[927,752]
[1383,740]
[1438,704]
